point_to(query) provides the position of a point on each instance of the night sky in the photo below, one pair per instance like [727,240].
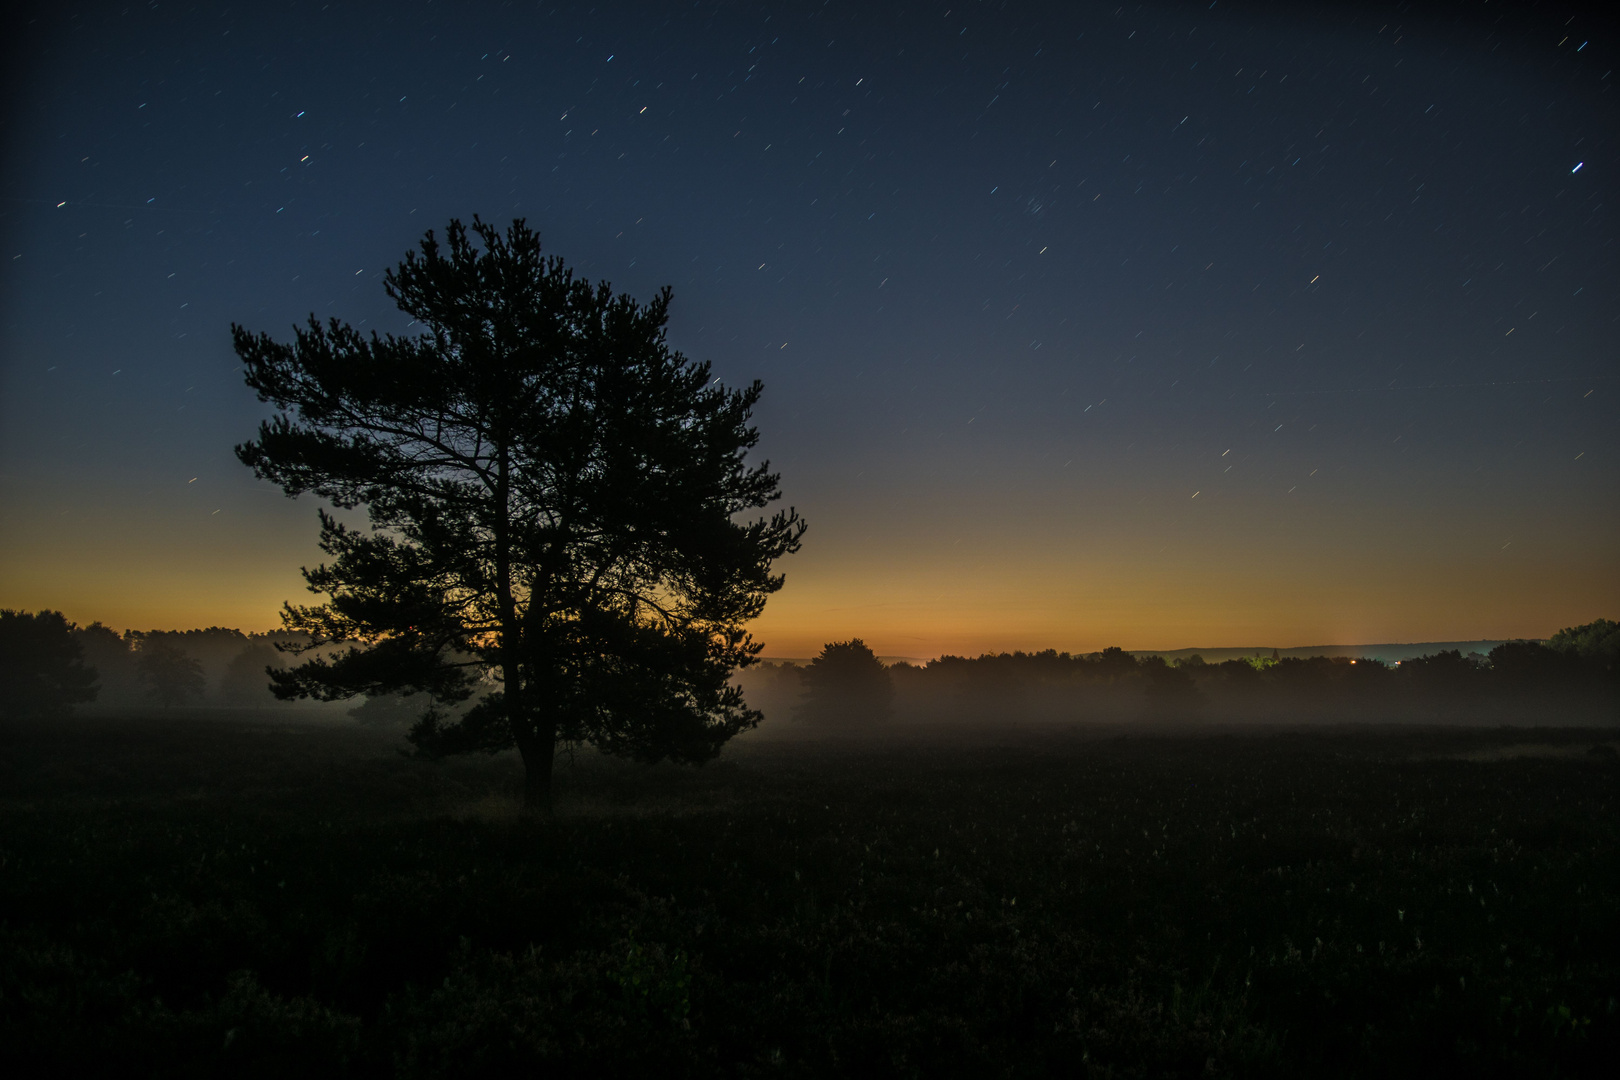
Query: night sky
[1158,325]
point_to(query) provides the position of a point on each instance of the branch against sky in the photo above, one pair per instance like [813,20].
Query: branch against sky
[555,497]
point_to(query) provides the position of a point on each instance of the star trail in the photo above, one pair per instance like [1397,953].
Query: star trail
[1158,325]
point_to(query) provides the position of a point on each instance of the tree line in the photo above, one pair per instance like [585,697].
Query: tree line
[48,665]
[846,687]
[566,537]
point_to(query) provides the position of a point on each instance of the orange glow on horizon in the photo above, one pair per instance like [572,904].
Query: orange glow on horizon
[925,606]
[915,580]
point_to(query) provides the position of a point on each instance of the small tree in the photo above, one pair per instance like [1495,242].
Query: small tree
[42,670]
[169,675]
[555,497]
[846,684]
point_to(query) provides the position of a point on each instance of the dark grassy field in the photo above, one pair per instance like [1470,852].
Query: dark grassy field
[220,895]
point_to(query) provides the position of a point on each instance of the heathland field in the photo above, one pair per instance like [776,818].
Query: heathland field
[236,894]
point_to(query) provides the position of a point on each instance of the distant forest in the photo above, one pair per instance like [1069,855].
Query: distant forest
[213,666]
[1572,677]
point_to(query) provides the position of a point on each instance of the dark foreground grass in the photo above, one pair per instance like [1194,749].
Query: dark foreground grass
[214,895]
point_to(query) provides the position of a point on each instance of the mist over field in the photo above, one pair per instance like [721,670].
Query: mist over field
[693,456]
[994,695]
[1521,683]
[225,891]
[1516,684]
[1105,864]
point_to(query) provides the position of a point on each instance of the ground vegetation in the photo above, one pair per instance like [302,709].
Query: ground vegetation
[185,896]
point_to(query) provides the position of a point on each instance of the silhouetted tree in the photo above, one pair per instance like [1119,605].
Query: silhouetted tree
[170,675]
[1596,642]
[108,652]
[1240,672]
[554,495]
[1114,663]
[1530,666]
[246,680]
[214,647]
[1444,680]
[1168,690]
[42,670]
[846,684]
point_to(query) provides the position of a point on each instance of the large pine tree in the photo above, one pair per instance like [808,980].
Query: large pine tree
[556,504]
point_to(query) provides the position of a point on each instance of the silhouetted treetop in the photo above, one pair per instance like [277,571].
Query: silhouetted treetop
[555,496]
[846,683]
[1597,642]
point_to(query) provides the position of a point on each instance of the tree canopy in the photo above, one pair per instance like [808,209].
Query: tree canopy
[1596,642]
[42,671]
[846,684]
[170,675]
[555,501]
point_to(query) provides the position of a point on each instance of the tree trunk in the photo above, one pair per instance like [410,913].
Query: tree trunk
[539,753]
